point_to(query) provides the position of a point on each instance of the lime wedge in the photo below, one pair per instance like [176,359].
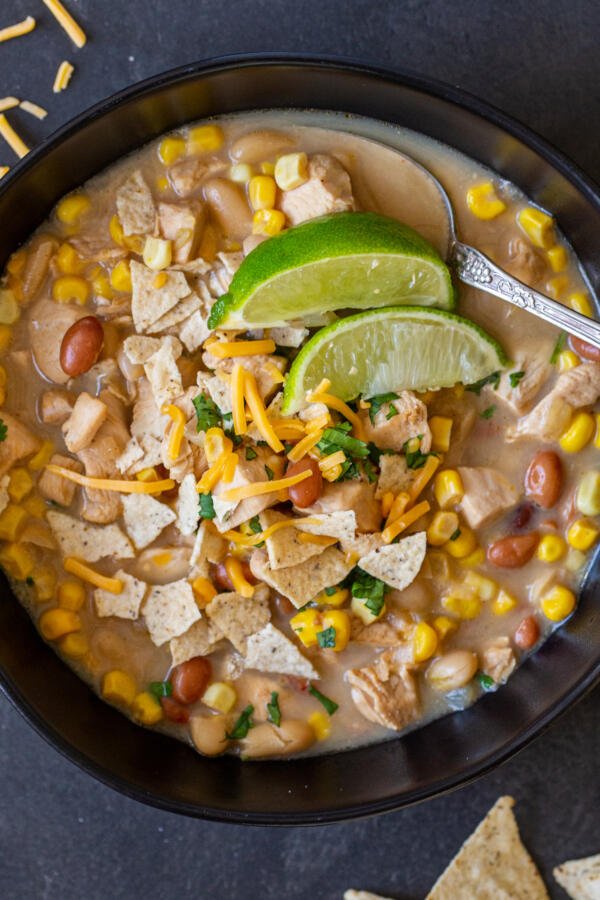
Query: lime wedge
[397,348]
[348,260]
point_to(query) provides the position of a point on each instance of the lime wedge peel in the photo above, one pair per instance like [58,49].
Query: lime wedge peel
[348,260]
[395,348]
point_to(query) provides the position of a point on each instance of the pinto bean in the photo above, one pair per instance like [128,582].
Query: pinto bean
[544,478]
[585,350]
[527,633]
[306,492]
[229,207]
[81,346]
[257,146]
[221,578]
[452,670]
[264,740]
[190,679]
[174,711]
[513,551]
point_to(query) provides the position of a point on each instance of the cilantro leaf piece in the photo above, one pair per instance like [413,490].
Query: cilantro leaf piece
[242,726]
[329,704]
[455,535]
[270,473]
[477,387]
[254,524]
[273,711]
[208,414]
[3,430]
[330,591]
[229,429]
[326,638]
[414,458]
[486,682]
[489,412]
[561,342]
[377,402]
[207,507]
[369,470]
[369,589]
[515,378]
[160,689]
[337,438]
[391,413]
[251,453]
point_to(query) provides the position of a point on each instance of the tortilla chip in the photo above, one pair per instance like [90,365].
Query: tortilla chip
[362,544]
[125,605]
[269,650]
[340,525]
[163,374]
[188,506]
[149,303]
[362,895]
[179,313]
[302,582]
[170,610]
[199,640]
[397,564]
[145,518]
[208,546]
[238,617]
[88,542]
[194,331]
[139,348]
[284,548]
[135,206]
[218,390]
[394,475]
[492,864]
[580,877]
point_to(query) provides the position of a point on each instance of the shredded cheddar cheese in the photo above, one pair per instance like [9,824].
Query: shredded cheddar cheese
[230,467]
[17,30]
[259,413]
[275,374]
[241,585]
[334,459]
[391,531]
[227,349]
[235,495]
[304,445]
[238,409]
[12,138]
[8,103]
[397,506]
[66,21]
[288,429]
[319,422]
[343,408]
[33,109]
[251,540]
[63,76]
[177,428]
[75,567]
[109,484]
[322,540]
[215,443]
[425,475]
[212,475]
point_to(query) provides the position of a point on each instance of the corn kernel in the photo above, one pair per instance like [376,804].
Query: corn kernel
[442,527]
[71,288]
[44,578]
[587,497]
[42,457]
[120,277]
[551,548]
[162,559]
[241,173]
[35,506]
[205,139]
[360,609]
[503,603]
[55,623]
[17,561]
[555,287]
[448,488]
[220,696]
[5,337]
[72,208]
[146,709]
[580,302]
[16,263]
[472,560]
[101,285]
[463,606]
[558,258]
[267,167]
[558,603]
[575,560]
[267,221]
[115,229]
[162,183]
[157,253]
[305,625]
[424,642]
[71,595]
[262,192]
[579,433]
[336,599]
[484,588]
[118,687]
[171,149]
[483,201]
[320,723]
[291,170]
[582,534]
[439,565]
[339,620]
[20,484]
[538,226]
[9,308]
[74,645]
[204,591]
[463,545]
[11,522]
[441,428]
[567,360]
[68,260]
[444,626]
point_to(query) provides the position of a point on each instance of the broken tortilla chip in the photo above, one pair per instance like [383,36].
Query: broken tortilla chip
[302,582]
[199,640]
[238,617]
[340,525]
[170,611]
[138,348]
[397,564]
[580,877]
[208,546]
[283,547]
[150,303]
[269,650]
[188,506]
[125,605]
[179,313]
[135,206]
[394,475]
[88,542]
[145,518]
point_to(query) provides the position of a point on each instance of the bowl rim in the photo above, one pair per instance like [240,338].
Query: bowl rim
[466,101]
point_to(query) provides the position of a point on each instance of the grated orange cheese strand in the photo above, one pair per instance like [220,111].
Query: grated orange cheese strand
[238,409]
[319,422]
[259,413]
[251,540]
[397,507]
[274,373]
[215,443]
[177,428]
[12,138]
[288,429]
[306,444]
[8,103]
[66,20]
[110,484]
[425,475]
[212,475]
[75,567]
[334,459]
[227,349]
[321,539]
[390,531]
[17,30]
[33,109]
[230,467]
[235,495]
[62,77]
[241,585]
[343,408]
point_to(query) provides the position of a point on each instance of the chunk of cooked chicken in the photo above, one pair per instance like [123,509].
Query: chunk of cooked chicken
[488,494]
[47,326]
[182,225]
[55,487]
[39,254]
[536,369]
[356,495]
[524,262]
[391,432]
[99,460]
[248,471]
[498,659]
[19,443]
[82,425]
[327,190]
[385,692]
[186,177]
[551,416]
[56,406]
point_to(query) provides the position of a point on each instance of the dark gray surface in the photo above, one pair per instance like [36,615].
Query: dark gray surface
[65,836]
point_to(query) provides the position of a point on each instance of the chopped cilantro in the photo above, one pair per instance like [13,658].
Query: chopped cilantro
[337,438]
[455,535]
[561,342]
[392,411]
[369,589]
[486,682]
[29,581]
[243,725]
[330,591]
[488,412]
[161,689]
[208,414]
[207,507]
[3,430]
[229,429]
[251,453]
[330,705]
[270,473]
[477,387]
[414,458]
[369,470]
[254,525]
[326,638]
[515,378]
[273,711]
[377,402]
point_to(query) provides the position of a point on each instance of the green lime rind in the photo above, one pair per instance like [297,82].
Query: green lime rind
[392,349]
[347,260]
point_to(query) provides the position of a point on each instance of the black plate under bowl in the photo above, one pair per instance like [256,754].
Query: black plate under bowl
[445,753]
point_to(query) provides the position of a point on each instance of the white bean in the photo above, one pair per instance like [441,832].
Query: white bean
[258,146]
[209,733]
[452,670]
[263,740]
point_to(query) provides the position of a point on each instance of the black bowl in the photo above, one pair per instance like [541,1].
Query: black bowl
[444,754]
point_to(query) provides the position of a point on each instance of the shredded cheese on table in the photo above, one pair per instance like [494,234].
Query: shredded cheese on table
[227,349]
[235,495]
[63,76]
[75,567]
[8,103]
[33,109]
[12,138]
[17,30]
[390,531]
[66,20]
[109,484]
[343,408]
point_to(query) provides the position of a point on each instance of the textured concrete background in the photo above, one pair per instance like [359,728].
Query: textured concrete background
[64,836]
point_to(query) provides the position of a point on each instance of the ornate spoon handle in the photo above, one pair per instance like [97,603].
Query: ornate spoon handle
[474,268]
